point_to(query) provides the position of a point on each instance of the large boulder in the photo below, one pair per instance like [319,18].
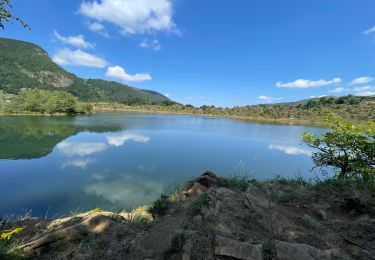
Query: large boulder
[293,251]
[237,250]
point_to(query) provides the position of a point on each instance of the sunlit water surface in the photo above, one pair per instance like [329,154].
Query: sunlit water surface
[56,165]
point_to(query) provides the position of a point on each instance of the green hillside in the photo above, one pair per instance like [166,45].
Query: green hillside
[26,65]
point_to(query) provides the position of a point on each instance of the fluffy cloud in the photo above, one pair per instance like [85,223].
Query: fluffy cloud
[118,72]
[364,88]
[80,163]
[127,191]
[80,149]
[365,93]
[78,58]
[266,99]
[98,28]
[78,41]
[361,80]
[360,91]
[118,139]
[371,30]
[292,150]
[339,90]
[132,16]
[304,83]
[152,44]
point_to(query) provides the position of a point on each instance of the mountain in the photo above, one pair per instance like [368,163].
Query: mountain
[26,65]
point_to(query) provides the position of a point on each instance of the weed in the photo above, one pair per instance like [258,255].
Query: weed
[97,210]
[177,240]
[139,217]
[8,235]
[159,207]
[198,204]
[236,183]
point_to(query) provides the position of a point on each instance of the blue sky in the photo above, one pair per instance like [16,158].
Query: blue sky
[211,52]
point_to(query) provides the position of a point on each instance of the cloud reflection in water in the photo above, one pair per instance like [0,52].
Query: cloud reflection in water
[128,191]
[80,148]
[292,150]
[118,139]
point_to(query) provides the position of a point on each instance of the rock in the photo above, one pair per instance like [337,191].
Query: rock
[353,201]
[292,251]
[321,213]
[208,179]
[256,197]
[238,250]
[321,205]
[187,249]
[355,251]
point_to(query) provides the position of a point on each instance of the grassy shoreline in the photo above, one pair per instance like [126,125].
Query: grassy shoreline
[186,213]
[119,108]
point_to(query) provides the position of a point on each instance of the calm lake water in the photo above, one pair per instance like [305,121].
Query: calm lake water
[119,161]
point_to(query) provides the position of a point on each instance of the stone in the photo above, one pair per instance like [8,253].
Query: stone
[355,251]
[208,179]
[321,205]
[292,251]
[239,250]
[321,213]
[257,197]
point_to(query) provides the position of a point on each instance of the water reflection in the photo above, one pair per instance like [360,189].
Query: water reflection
[291,150]
[118,139]
[80,163]
[28,137]
[126,191]
[118,161]
[80,148]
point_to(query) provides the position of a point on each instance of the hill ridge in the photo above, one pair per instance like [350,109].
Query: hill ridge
[27,65]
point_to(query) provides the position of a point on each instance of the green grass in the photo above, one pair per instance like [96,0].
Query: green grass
[9,245]
[177,240]
[159,207]
[198,204]
[236,182]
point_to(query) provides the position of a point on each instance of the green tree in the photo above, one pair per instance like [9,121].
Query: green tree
[7,16]
[348,148]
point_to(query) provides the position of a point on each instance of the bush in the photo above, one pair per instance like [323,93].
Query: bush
[50,102]
[348,148]
[198,204]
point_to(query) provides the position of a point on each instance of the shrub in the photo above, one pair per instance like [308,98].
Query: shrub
[350,149]
[198,204]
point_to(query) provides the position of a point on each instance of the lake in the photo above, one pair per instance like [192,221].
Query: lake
[52,166]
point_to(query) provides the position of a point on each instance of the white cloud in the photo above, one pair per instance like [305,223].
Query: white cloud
[167,95]
[78,58]
[78,41]
[304,83]
[266,99]
[98,28]
[371,30]
[317,96]
[292,150]
[118,72]
[365,93]
[133,16]
[339,90]
[361,80]
[80,163]
[80,149]
[152,44]
[127,191]
[118,139]
[363,88]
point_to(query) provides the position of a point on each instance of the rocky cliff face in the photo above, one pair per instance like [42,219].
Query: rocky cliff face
[216,218]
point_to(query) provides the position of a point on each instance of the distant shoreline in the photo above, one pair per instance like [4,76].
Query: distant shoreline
[133,109]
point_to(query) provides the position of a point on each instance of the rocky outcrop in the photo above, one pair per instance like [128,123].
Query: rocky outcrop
[213,220]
